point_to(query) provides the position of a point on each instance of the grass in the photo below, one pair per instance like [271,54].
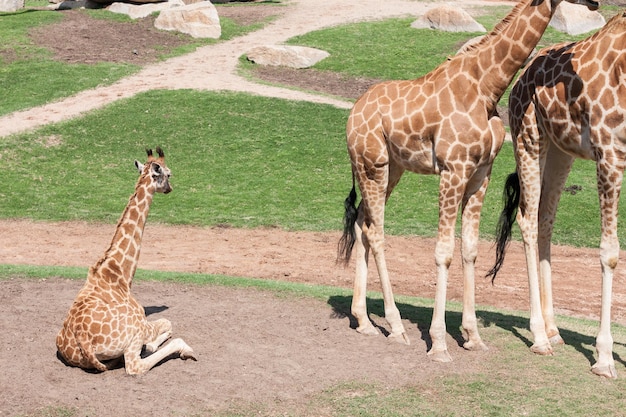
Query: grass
[237,159]
[509,381]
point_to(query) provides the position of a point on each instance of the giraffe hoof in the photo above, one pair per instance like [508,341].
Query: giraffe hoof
[556,340]
[401,338]
[188,354]
[368,330]
[440,356]
[543,349]
[475,346]
[607,371]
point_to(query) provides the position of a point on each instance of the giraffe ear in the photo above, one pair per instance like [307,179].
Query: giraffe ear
[139,166]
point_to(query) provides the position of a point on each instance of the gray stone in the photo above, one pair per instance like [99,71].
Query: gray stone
[574,19]
[449,19]
[286,55]
[137,11]
[11,5]
[199,20]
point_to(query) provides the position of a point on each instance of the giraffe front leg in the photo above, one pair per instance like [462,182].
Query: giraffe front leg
[135,365]
[451,189]
[160,331]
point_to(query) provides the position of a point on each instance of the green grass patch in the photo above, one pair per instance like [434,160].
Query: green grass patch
[391,49]
[236,159]
[30,77]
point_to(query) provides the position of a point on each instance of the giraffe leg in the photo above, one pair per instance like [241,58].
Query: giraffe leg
[469,253]
[161,330]
[609,186]
[555,172]
[155,332]
[527,156]
[392,314]
[359,297]
[451,190]
[376,184]
[135,365]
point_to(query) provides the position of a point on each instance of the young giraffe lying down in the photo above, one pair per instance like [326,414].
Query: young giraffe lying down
[105,321]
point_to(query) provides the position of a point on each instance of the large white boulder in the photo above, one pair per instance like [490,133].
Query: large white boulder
[138,11]
[286,56]
[449,19]
[574,19]
[199,20]
[11,5]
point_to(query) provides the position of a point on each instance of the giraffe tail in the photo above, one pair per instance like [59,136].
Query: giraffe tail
[89,358]
[346,243]
[510,197]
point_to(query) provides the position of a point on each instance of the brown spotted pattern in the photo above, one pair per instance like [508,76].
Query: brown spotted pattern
[444,123]
[105,322]
[570,103]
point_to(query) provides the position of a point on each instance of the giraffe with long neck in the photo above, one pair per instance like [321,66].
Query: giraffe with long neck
[105,321]
[443,123]
[569,103]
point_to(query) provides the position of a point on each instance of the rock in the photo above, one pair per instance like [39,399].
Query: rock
[11,5]
[448,19]
[575,20]
[131,1]
[470,44]
[137,11]
[286,55]
[199,20]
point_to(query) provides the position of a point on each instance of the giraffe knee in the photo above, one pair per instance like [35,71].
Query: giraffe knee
[443,255]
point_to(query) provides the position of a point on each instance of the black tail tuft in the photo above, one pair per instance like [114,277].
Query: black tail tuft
[346,243]
[510,198]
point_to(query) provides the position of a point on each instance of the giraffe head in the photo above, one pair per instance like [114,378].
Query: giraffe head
[155,172]
[591,5]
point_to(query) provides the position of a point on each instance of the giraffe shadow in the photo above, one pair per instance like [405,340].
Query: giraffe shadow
[418,315]
[422,316]
[112,364]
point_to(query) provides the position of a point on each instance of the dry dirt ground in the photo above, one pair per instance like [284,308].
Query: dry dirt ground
[252,346]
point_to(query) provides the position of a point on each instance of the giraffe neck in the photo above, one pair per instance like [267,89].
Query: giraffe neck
[505,49]
[119,263]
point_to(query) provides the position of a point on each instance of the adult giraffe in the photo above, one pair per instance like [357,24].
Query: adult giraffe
[443,123]
[569,103]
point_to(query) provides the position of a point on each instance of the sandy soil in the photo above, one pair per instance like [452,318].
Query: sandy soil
[252,346]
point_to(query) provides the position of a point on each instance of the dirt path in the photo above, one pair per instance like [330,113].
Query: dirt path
[252,346]
[213,67]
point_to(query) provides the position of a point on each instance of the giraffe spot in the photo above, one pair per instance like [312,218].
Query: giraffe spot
[95,328]
[141,194]
[106,328]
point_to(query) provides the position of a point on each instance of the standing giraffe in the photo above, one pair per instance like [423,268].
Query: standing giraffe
[569,103]
[105,321]
[443,123]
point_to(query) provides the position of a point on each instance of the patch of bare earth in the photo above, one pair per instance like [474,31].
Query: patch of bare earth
[252,346]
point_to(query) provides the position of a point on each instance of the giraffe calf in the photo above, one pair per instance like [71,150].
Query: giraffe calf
[105,321]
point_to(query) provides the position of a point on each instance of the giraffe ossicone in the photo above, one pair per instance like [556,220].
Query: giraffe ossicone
[444,123]
[105,321]
[569,103]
